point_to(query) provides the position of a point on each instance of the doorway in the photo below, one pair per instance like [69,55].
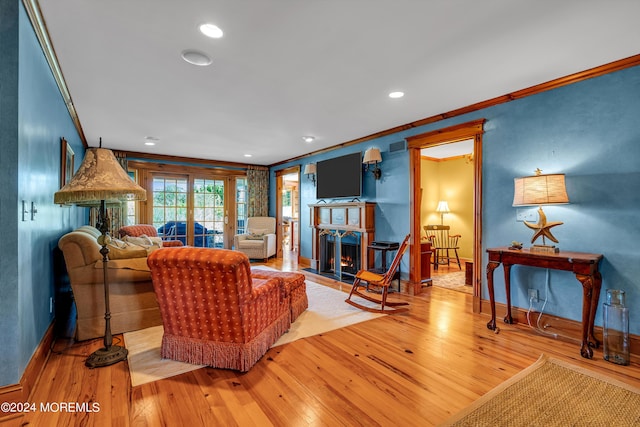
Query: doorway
[446,212]
[191,209]
[288,212]
[465,131]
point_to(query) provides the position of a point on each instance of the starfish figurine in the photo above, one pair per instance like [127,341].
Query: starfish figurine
[542,228]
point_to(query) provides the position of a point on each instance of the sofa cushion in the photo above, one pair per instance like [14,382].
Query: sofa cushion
[249,243]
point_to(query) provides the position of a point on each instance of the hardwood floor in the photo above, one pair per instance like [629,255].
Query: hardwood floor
[411,369]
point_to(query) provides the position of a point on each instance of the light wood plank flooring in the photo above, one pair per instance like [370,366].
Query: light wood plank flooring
[411,369]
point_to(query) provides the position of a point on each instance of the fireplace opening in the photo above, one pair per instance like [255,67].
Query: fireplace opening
[345,249]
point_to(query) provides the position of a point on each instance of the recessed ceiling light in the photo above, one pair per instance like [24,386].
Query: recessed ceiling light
[211,30]
[150,140]
[308,138]
[248,155]
[396,94]
[196,57]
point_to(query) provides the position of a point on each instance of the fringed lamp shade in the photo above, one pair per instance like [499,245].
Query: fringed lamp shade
[100,177]
[540,190]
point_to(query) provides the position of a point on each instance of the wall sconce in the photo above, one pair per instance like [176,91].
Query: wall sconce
[443,208]
[541,190]
[372,156]
[310,171]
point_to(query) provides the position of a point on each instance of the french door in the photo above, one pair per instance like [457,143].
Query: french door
[192,209]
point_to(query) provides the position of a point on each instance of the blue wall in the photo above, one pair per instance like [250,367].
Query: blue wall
[30,130]
[586,130]
[390,192]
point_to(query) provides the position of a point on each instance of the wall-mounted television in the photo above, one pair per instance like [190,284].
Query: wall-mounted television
[340,177]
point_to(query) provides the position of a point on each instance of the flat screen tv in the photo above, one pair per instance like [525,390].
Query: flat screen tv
[340,177]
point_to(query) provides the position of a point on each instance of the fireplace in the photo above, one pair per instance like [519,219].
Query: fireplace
[343,228]
[340,253]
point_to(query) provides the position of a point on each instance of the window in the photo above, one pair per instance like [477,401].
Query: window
[241,204]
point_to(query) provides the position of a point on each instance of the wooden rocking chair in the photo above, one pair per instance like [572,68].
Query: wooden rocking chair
[381,280]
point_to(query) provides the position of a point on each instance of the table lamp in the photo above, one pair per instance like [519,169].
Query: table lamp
[100,178]
[443,208]
[539,190]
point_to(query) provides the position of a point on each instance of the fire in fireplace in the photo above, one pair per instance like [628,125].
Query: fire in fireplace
[345,248]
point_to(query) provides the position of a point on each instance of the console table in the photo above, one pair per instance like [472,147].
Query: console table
[583,265]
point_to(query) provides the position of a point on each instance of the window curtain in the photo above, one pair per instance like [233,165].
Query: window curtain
[258,191]
[115,214]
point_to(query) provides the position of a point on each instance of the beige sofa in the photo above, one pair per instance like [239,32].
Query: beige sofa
[132,299]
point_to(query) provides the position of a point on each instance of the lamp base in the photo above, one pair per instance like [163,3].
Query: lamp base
[106,356]
[544,249]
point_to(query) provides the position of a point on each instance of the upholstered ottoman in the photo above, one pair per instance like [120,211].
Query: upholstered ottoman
[294,286]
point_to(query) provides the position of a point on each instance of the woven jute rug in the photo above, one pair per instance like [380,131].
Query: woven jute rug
[554,393]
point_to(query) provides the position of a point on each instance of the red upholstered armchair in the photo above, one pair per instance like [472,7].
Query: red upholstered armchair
[213,312]
[147,230]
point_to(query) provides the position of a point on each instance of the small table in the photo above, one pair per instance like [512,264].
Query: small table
[583,265]
[385,247]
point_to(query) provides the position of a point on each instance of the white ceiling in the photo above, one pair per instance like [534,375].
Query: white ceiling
[444,151]
[288,68]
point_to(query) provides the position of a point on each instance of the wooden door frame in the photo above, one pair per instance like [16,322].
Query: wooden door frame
[279,185]
[470,130]
[146,207]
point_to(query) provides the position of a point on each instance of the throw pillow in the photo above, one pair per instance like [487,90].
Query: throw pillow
[142,240]
[256,236]
[122,250]
[257,231]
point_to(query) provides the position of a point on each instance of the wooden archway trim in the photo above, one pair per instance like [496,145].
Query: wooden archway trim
[450,134]
[469,130]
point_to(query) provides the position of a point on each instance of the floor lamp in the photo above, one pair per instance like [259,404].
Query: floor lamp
[101,179]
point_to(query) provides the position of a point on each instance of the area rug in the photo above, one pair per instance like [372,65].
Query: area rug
[454,281]
[327,311]
[554,393]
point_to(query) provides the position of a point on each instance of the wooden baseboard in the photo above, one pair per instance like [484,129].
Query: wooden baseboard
[20,392]
[564,329]
[304,262]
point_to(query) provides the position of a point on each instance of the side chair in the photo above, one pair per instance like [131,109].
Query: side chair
[443,244]
[364,278]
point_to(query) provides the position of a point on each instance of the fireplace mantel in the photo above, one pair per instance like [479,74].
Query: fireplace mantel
[357,217]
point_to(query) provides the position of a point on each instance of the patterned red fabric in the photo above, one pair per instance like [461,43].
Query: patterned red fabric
[294,287]
[148,230]
[212,310]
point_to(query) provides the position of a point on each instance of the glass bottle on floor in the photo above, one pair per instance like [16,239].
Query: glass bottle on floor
[616,328]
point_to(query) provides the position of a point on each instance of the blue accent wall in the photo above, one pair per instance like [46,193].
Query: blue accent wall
[33,118]
[587,130]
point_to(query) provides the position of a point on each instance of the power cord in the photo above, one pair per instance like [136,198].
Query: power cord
[537,327]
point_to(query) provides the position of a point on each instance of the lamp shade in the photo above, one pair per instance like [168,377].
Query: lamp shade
[443,207]
[309,168]
[99,177]
[540,190]
[372,155]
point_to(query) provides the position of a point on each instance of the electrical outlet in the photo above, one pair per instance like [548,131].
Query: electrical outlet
[533,295]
